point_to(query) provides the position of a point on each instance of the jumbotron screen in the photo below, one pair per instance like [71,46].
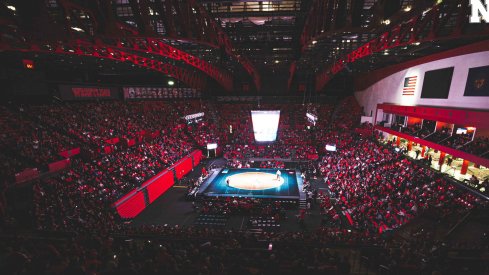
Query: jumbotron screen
[265,125]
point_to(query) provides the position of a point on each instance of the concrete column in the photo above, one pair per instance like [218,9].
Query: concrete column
[442,158]
[465,166]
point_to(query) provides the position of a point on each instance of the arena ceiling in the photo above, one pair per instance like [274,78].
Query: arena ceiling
[278,47]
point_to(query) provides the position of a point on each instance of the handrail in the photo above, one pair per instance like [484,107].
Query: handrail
[459,223]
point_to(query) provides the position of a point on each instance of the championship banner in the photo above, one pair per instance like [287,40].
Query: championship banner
[72,92]
[159,93]
[477,82]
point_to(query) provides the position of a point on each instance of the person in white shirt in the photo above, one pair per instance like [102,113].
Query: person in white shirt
[278,174]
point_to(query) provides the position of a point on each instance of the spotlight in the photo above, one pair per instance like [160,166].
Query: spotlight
[77,29]
[171,82]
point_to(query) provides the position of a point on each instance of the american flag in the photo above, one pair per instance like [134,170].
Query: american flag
[409,85]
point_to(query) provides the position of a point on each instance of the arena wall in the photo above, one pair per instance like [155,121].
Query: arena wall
[389,89]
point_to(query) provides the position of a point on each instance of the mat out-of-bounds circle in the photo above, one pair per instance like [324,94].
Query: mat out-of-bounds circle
[255,181]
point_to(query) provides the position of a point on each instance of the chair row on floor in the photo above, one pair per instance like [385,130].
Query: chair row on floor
[211,220]
[265,223]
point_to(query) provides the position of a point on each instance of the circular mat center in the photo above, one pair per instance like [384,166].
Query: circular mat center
[255,181]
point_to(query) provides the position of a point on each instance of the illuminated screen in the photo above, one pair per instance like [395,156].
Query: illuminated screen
[461,131]
[211,146]
[265,125]
[331,148]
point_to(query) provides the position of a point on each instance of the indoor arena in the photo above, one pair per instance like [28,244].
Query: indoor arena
[244,137]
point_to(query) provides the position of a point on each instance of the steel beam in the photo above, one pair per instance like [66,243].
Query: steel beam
[156,46]
[421,28]
[82,48]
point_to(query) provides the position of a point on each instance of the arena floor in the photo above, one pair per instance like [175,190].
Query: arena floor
[253,182]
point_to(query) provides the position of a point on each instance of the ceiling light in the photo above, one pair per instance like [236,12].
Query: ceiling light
[11,8]
[276,61]
[314,42]
[386,22]
[407,8]
[77,29]
[416,43]
[171,82]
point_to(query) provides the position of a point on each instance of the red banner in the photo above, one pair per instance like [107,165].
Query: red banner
[159,184]
[155,134]
[182,168]
[312,156]
[68,92]
[130,142]
[27,174]
[112,140]
[197,155]
[134,202]
[140,135]
[58,165]
[108,149]
[69,153]
[131,205]
[90,92]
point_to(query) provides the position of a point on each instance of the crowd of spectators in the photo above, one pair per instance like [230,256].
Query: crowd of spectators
[411,129]
[293,140]
[186,250]
[440,135]
[9,165]
[380,190]
[95,122]
[272,164]
[30,139]
[457,140]
[479,146]
[346,115]
[371,187]
[207,128]
[239,205]
[181,251]
[36,134]
[427,129]
[94,181]
[270,151]
[113,175]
